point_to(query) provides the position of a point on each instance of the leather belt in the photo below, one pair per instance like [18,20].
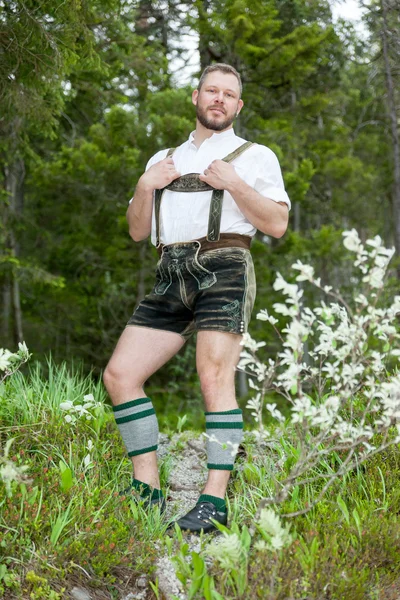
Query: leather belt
[226,240]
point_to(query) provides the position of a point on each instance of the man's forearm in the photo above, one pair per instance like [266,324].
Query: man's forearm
[140,211]
[266,215]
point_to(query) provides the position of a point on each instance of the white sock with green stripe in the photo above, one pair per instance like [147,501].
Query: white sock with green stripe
[137,423]
[224,434]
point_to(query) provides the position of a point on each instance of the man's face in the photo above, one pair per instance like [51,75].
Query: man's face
[218,101]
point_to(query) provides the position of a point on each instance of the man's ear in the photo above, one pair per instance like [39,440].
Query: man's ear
[195,95]
[240,106]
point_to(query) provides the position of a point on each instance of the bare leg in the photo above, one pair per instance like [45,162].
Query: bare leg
[140,352]
[217,355]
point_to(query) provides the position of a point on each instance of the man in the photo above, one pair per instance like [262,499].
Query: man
[204,282]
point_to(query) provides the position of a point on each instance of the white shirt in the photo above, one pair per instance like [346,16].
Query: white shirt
[184,216]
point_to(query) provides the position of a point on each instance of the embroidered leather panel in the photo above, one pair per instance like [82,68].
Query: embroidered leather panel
[189,183]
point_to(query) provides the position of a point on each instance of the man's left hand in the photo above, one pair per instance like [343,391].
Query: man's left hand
[220,175]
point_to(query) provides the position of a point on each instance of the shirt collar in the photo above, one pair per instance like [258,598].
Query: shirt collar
[215,137]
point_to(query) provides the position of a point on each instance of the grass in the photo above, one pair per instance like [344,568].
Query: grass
[69,526]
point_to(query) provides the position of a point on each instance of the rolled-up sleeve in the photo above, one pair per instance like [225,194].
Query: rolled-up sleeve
[269,181]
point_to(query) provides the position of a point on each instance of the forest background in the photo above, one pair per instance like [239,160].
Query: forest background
[90,89]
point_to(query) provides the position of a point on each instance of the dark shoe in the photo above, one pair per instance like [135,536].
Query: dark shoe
[145,502]
[199,518]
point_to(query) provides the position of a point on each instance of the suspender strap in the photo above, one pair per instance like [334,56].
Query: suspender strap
[237,152]
[157,204]
[217,197]
[214,217]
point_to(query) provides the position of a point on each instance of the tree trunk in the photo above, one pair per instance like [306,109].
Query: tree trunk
[393,128]
[17,310]
[6,316]
[204,39]
[14,180]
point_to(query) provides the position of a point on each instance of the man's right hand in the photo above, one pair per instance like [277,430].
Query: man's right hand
[159,175]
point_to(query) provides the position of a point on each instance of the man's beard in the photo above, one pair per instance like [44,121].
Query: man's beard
[208,123]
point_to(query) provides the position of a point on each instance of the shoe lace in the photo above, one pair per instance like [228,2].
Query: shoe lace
[207,511]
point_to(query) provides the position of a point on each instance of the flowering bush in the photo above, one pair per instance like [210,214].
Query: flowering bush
[89,410]
[10,362]
[10,472]
[338,370]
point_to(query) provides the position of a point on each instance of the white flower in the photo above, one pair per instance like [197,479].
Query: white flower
[248,342]
[88,398]
[10,472]
[306,271]
[89,445]
[87,460]
[228,551]
[283,309]
[351,241]
[275,412]
[68,405]
[252,385]
[269,524]
[5,356]
[375,277]
[264,316]
[23,350]
[288,289]
[261,545]
[375,243]
[296,332]
[254,404]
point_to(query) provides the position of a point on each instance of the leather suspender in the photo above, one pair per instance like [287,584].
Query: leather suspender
[191,183]
[157,203]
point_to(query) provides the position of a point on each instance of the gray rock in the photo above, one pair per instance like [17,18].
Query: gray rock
[141,582]
[135,596]
[79,593]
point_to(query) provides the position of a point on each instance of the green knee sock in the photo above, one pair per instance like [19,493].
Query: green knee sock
[227,429]
[137,423]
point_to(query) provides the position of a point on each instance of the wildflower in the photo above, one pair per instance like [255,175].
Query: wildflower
[275,412]
[87,461]
[306,271]
[9,472]
[264,316]
[269,525]
[248,342]
[228,551]
[351,241]
[23,350]
[66,405]
[5,356]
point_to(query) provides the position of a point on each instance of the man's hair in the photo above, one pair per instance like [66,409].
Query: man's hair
[224,68]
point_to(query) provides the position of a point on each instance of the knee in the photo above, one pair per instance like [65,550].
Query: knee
[110,377]
[114,378]
[214,377]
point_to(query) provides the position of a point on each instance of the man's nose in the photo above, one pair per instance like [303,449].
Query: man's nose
[220,97]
